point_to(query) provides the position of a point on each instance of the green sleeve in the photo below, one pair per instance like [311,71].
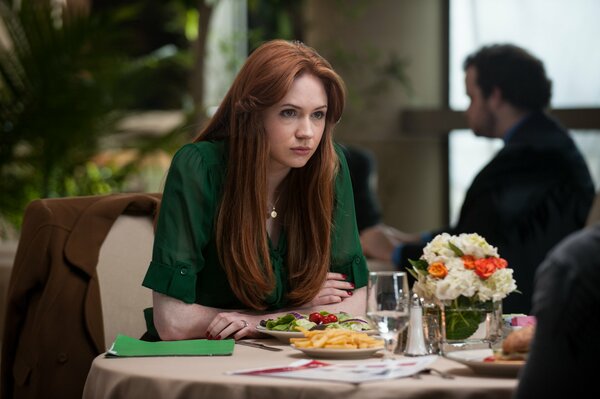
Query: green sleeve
[185,223]
[346,253]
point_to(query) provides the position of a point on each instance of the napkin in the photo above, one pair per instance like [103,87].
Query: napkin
[125,346]
[522,321]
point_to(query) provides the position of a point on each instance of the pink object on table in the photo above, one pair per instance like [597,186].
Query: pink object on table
[522,321]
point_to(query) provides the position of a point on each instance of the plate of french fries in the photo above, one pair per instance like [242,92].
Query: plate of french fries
[337,343]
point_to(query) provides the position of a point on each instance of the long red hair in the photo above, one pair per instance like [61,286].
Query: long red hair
[241,235]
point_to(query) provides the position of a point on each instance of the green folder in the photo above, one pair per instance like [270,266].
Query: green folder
[125,346]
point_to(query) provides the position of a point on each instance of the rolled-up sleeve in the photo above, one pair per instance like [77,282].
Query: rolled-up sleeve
[185,225]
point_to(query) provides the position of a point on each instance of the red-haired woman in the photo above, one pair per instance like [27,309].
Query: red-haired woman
[257,216]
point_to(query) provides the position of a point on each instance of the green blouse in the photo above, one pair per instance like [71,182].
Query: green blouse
[185,264]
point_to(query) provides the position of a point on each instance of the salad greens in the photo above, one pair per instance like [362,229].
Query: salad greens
[292,321]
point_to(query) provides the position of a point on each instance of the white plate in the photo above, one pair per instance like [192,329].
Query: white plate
[474,359]
[338,353]
[284,336]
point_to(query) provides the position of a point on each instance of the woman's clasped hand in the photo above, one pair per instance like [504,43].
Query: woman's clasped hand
[335,290]
[237,325]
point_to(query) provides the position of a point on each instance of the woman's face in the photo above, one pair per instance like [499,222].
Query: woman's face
[295,125]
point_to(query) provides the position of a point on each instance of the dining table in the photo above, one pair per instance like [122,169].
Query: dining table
[182,377]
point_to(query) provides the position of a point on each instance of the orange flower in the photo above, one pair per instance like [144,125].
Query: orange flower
[484,268]
[500,263]
[468,261]
[437,270]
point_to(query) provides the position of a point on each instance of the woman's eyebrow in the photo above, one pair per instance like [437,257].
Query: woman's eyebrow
[297,107]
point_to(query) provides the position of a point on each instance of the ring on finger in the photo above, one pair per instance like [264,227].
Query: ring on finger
[245,323]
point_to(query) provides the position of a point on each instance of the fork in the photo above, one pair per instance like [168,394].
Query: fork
[430,370]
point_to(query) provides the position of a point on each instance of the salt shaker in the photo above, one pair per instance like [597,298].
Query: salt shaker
[415,345]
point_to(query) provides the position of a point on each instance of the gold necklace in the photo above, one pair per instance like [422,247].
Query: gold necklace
[273,213]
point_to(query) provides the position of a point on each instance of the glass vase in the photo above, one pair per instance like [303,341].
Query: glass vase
[468,323]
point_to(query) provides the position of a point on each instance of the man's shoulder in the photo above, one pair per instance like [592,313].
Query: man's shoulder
[541,132]
[541,141]
[579,248]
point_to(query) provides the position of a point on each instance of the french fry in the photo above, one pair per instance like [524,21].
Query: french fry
[336,339]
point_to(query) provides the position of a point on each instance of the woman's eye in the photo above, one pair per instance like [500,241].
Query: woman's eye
[288,113]
[319,115]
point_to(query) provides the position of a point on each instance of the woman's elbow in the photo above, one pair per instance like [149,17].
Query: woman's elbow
[171,318]
[168,330]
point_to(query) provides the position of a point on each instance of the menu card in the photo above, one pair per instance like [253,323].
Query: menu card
[125,346]
[345,372]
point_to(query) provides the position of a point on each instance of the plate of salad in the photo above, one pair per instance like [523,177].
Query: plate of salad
[288,325]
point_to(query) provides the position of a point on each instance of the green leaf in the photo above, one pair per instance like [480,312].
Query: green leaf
[455,249]
[343,316]
[463,316]
[304,323]
[281,323]
[419,265]
[413,273]
[461,324]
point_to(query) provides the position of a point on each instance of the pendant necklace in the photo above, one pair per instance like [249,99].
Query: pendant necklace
[273,213]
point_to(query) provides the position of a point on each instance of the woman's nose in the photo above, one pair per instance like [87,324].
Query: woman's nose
[305,128]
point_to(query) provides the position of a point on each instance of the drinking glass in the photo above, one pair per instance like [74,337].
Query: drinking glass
[388,306]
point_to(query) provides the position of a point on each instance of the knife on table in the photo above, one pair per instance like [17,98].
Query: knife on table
[258,345]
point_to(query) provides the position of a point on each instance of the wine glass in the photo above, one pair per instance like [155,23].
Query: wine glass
[388,306]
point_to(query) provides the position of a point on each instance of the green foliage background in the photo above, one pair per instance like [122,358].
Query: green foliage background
[65,82]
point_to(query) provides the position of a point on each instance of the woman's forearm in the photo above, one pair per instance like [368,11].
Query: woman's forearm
[176,320]
[354,305]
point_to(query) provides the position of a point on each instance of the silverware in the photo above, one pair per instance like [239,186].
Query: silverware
[430,370]
[258,345]
[441,373]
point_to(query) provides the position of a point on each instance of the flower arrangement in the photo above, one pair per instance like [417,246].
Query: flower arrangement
[464,265]
[462,272]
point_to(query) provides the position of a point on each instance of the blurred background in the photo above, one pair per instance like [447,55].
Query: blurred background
[96,95]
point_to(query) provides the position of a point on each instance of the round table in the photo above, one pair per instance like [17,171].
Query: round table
[205,377]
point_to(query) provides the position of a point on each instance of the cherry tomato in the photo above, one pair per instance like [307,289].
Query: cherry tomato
[316,318]
[330,318]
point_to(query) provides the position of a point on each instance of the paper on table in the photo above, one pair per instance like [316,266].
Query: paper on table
[125,346]
[347,372]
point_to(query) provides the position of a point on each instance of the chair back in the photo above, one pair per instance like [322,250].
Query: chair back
[122,263]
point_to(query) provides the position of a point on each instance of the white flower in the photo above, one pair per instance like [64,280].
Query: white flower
[498,286]
[460,281]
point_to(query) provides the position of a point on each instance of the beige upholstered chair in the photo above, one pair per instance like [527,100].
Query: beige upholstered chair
[122,264]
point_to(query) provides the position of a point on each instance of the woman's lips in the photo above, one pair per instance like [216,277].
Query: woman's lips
[301,150]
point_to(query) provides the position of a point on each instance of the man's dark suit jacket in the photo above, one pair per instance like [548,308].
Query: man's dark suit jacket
[563,360]
[533,193]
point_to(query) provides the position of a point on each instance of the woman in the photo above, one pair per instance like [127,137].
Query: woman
[257,216]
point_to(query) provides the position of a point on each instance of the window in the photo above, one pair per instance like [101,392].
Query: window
[560,32]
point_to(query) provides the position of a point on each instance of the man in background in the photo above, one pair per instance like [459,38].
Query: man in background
[534,192]
[566,303]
